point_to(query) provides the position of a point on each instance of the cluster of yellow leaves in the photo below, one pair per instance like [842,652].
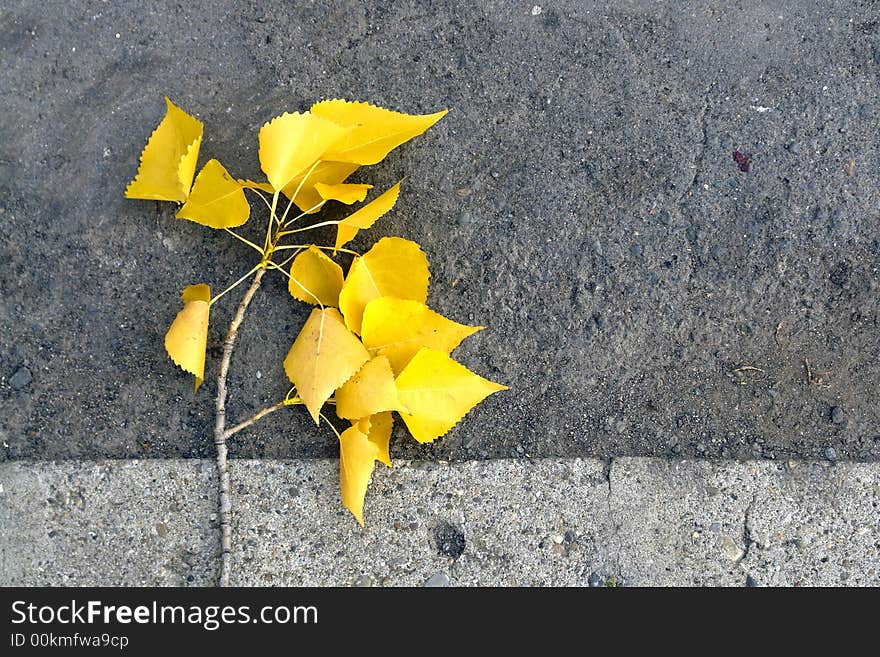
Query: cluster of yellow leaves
[309,155]
[371,345]
[401,361]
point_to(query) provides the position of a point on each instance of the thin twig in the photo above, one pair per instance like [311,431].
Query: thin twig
[256,416]
[220,433]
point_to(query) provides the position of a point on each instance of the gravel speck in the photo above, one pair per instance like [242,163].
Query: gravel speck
[831,454]
[837,415]
[21,378]
[594,580]
[438,580]
[730,549]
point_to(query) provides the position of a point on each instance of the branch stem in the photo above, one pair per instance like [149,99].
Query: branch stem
[256,416]
[220,433]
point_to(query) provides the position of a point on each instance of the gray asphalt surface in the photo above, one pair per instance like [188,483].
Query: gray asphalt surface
[644,295]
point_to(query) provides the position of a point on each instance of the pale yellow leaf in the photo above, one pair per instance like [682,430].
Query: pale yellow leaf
[328,173]
[217,200]
[187,338]
[371,390]
[377,131]
[291,143]
[394,267]
[357,459]
[380,434]
[324,356]
[347,193]
[168,162]
[365,216]
[439,392]
[315,278]
[398,328]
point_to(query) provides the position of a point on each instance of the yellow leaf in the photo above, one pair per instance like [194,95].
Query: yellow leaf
[328,173]
[398,328]
[187,338]
[357,458]
[439,392]
[342,192]
[217,200]
[324,356]
[394,267]
[371,390]
[315,278]
[380,434]
[365,216]
[291,143]
[376,132]
[168,161]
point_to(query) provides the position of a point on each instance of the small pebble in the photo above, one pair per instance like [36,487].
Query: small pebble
[594,580]
[837,415]
[730,549]
[364,581]
[750,582]
[440,579]
[831,454]
[21,378]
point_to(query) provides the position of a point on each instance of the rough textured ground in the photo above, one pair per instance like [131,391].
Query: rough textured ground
[581,200]
[573,522]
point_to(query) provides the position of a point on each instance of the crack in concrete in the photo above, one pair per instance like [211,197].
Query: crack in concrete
[747,533]
[608,464]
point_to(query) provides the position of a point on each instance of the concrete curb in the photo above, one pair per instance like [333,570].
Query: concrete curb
[575,522]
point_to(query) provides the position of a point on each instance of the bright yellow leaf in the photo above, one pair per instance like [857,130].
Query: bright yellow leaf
[398,328]
[439,392]
[365,216]
[380,434]
[377,131]
[187,338]
[315,278]
[291,143]
[394,267]
[371,390]
[324,356]
[357,458]
[217,200]
[328,173]
[168,162]
[347,193]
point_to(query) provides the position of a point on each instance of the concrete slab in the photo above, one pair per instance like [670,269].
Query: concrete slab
[562,522]
[508,523]
[110,523]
